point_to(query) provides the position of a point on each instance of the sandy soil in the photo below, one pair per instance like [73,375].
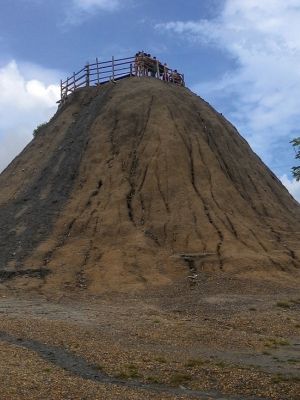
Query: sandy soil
[222,339]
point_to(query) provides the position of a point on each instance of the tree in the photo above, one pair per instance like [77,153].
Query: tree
[296,170]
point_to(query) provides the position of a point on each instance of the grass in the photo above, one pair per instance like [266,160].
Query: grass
[221,364]
[179,379]
[131,372]
[278,378]
[122,375]
[288,303]
[194,363]
[161,360]
[128,375]
[252,309]
[283,304]
[153,379]
[295,301]
[293,361]
[275,342]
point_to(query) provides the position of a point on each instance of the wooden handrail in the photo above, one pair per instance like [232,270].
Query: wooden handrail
[101,72]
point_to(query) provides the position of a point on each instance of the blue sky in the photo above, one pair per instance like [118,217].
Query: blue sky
[242,56]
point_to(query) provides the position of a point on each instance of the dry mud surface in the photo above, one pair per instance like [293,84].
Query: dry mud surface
[136,184]
[223,339]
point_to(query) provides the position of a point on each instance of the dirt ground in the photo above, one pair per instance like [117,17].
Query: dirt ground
[146,253]
[221,338]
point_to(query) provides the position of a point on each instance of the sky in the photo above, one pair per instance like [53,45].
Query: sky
[242,56]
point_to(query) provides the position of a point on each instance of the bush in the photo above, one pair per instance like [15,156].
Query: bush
[38,129]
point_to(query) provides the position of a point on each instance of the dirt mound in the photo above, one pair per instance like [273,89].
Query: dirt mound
[136,183]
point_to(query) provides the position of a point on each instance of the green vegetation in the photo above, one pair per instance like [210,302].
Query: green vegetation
[293,360]
[130,372]
[283,304]
[278,378]
[122,375]
[161,359]
[38,129]
[153,379]
[275,342]
[194,363]
[179,379]
[221,364]
[288,303]
[295,301]
[267,353]
[296,170]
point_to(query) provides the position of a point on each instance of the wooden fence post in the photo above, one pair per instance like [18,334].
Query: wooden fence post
[131,69]
[87,70]
[157,69]
[74,83]
[67,87]
[98,74]
[113,68]
[61,90]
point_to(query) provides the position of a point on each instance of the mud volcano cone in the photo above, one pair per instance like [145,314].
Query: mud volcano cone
[141,183]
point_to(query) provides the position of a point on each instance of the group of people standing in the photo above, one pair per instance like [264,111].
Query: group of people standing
[145,65]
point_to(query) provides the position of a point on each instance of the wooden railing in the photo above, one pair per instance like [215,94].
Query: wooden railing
[116,69]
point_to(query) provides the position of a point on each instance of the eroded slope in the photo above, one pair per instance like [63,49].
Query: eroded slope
[139,182]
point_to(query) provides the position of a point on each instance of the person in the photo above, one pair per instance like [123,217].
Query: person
[151,65]
[176,77]
[139,63]
[153,70]
[165,72]
[136,58]
[161,70]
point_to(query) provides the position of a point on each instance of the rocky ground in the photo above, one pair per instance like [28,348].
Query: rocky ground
[221,338]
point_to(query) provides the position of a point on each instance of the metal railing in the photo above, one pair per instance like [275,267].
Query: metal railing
[115,69]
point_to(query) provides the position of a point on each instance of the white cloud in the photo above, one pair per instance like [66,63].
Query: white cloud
[292,186]
[261,93]
[25,102]
[105,5]
[79,11]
